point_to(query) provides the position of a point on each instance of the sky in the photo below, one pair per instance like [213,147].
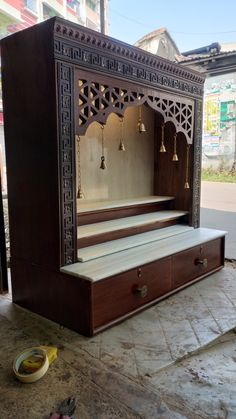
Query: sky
[191,23]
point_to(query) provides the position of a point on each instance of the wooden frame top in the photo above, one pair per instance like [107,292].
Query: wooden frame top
[103,54]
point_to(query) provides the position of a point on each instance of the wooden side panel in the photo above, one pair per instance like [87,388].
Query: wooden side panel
[117,296]
[30,124]
[54,295]
[3,258]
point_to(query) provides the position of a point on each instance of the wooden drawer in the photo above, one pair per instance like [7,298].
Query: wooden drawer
[121,294]
[196,262]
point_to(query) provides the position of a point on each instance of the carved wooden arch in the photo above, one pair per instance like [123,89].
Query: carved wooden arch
[67,78]
[96,99]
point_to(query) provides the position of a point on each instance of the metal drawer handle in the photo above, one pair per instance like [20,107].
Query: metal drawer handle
[141,291]
[202,262]
[139,272]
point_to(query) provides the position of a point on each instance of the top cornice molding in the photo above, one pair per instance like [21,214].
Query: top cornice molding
[70,31]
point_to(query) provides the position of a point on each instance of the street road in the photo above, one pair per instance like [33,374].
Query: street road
[218,210]
[219,196]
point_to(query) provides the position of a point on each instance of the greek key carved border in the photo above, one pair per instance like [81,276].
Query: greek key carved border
[138,72]
[67,163]
[74,32]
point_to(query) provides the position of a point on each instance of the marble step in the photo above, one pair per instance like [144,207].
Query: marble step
[92,234]
[107,248]
[89,212]
[94,206]
[107,266]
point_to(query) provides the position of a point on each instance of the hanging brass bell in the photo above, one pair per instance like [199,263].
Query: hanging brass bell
[162,148]
[141,127]
[186,185]
[103,164]
[80,194]
[121,146]
[175,157]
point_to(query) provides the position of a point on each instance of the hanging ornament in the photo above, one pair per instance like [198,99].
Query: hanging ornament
[162,148]
[186,185]
[121,145]
[80,194]
[141,126]
[103,164]
[175,156]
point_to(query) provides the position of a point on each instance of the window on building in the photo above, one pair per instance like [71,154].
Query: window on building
[49,12]
[73,4]
[92,4]
[31,5]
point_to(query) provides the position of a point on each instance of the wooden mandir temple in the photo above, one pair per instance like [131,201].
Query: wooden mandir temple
[103,148]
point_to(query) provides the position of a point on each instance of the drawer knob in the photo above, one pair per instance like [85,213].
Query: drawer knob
[139,272]
[141,291]
[202,262]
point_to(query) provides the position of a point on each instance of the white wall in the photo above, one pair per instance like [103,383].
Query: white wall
[129,173]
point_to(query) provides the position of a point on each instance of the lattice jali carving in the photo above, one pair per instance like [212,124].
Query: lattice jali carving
[96,100]
[180,113]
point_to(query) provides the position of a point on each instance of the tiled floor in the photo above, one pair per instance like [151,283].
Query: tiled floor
[123,364]
[172,329]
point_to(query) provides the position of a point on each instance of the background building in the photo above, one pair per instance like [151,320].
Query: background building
[16,15]
[159,42]
[218,61]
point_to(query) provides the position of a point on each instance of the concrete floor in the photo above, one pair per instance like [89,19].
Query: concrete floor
[174,360]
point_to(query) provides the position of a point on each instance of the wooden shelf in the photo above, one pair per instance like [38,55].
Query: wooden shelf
[92,205]
[122,227]
[104,267]
[107,248]
[90,212]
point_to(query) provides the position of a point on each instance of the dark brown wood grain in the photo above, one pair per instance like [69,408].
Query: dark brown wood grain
[116,296]
[169,176]
[3,256]
[57,296]
[30,125]
[185,267]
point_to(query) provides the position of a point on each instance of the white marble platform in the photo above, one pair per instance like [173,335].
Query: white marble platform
[94,205]
[113,246]
[89,230]
[104,267]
